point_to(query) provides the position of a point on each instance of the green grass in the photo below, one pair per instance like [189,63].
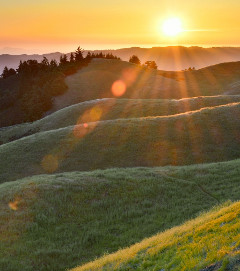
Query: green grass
[67,219]
[110,109]
[212,80]
[95,82]
[207,135]
[210,242]
[58,221]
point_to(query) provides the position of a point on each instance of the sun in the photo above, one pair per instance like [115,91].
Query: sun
[172,27]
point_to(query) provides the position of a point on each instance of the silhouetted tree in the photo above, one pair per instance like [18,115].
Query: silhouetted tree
[37,83]
[53,64]
[191,69]
[29,67]
[101,55]
[151,64]
[135,60]
[72,58]
[79,54]
[45,61]
[63,60]
[89,56]
[7,72]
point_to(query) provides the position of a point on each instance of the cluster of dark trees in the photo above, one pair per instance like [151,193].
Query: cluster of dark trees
[8,72]
[190,69]
[149,64]
[29,90]
[101,55]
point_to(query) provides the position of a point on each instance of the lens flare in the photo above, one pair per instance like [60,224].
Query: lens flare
[50,163]
[80,131]
[13,205]
[95,113]
[129,76]
[118,88]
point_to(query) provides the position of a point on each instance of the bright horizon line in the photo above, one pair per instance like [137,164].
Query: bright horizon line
[92,47]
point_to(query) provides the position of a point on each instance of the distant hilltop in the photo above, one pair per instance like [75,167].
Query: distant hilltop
[176,58]
[12,61]
[171,58]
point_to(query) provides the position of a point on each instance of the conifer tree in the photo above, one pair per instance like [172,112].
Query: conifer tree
[79,54]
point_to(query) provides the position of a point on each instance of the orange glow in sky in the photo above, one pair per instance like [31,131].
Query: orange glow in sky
[67,23]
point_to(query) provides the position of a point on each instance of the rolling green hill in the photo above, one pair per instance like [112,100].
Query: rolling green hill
[38,95]
[59,221]
[95,82]
[110,109]
[210,242]
[122,170]
[206,135]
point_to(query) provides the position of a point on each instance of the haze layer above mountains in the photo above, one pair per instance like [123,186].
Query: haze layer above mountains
[167,58]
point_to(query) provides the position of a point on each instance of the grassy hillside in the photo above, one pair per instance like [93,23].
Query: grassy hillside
[110,109]
[59,221]
[95,82]
[210,242]
[206,135]
[28,97]
[66,219]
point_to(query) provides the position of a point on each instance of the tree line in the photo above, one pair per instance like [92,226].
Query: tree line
[30,89]
[67,66]
[149,64]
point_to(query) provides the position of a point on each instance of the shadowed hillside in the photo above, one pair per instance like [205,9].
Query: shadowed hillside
[28,97]
[59,221]
[97,79]
[206,135]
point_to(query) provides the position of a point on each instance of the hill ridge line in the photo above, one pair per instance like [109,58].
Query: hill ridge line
[126,120]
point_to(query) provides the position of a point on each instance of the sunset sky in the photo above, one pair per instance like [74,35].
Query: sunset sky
[60,25]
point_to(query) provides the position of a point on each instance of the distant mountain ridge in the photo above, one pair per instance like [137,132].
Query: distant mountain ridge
[12,61]
[175,58]
[172,58]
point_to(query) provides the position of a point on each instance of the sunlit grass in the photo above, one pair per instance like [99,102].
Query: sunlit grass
[67,219]
[211,239]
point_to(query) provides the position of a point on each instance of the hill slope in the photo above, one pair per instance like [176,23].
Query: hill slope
[206,135]
[29,97]
[59,221]
[95,82]
[111,109]
[210,242]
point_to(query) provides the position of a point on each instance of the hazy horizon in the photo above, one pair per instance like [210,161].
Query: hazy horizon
[67,49]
